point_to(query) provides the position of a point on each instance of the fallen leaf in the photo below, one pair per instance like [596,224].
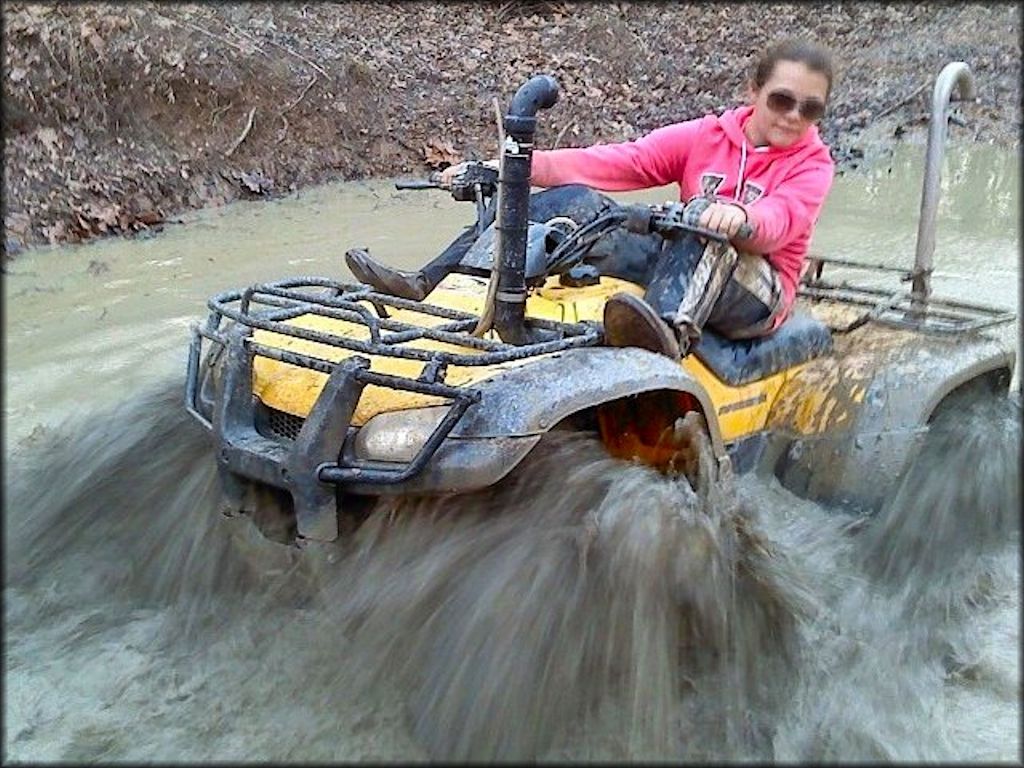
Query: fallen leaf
[17,74]
[48,138]
[97,43]
[256,182]
[438,153]
[149,217]
[18,223]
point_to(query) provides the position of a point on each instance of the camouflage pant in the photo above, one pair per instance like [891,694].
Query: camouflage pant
[738,295]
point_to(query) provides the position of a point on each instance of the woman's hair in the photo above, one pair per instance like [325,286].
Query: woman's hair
[815,57]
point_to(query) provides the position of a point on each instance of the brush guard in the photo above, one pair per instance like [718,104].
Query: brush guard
[312,466]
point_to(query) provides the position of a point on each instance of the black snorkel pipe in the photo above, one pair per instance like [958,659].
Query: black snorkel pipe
[537,93]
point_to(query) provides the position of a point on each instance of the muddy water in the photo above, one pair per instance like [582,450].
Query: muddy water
[552,617]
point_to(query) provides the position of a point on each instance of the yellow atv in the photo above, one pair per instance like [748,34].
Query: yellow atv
[319,392]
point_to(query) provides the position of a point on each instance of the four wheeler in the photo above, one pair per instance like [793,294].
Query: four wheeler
[318,391]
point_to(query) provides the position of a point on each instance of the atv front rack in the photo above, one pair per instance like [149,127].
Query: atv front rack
[310,466]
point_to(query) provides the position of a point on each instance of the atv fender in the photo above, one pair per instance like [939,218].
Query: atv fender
[870,414]
[518,405]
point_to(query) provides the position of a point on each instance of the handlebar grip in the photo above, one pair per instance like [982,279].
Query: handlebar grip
[416,184]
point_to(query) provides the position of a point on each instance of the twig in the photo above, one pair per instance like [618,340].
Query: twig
[487,316]
[305,90]
[245,132]
[284,48]
[501,126]
[218,112]
[899,103]
[503,11]
[208,33]
[561,133]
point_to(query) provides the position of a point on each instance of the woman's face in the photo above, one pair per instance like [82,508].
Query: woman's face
[790,102]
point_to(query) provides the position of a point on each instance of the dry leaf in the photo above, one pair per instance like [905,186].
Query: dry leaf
[97,43]
[48,138]
[18,223]
[438,153]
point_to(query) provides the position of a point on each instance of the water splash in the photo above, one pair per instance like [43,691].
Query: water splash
[585,608]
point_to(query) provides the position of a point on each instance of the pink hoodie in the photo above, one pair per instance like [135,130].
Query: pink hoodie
[781,190]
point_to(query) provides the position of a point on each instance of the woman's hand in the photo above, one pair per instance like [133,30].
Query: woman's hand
[725,218]
[448,174]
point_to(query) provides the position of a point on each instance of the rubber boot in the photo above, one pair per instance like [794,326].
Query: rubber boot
[407,285]
[629,321]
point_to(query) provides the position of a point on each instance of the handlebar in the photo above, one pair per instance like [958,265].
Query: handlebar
[744,231]
[417,184]
[642,219]
[675,217]
[433,181]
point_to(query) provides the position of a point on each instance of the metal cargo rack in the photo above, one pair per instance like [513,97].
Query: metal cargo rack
[900,308]
[287,299]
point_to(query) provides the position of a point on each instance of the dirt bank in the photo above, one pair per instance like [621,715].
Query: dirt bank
[116,117]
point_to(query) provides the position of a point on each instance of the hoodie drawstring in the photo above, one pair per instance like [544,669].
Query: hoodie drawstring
[743,168]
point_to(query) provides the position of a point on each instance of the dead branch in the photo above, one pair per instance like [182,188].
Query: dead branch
[245,132]
[299,56]
[218,112]
[305,90]
[501,126]
[899,103]
[284,48]
[208,33]
[561,133]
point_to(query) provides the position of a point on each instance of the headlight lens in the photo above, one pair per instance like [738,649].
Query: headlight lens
[398,435]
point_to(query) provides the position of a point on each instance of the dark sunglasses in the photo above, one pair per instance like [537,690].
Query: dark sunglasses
[783,102]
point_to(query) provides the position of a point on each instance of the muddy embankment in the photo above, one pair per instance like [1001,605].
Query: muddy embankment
[118,117]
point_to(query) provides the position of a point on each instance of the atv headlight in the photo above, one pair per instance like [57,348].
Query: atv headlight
[398,435]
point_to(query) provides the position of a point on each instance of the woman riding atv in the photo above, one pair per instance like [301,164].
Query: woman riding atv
[757,174]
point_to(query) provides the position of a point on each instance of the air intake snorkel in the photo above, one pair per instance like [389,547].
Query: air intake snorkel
[539,92]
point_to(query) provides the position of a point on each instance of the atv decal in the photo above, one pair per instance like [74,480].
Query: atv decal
[751,192]
[710,183]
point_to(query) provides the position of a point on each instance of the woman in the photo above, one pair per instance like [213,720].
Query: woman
[762,164]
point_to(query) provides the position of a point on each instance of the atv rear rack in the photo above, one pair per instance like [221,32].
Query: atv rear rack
[916,309]
[901,309]
[310,465]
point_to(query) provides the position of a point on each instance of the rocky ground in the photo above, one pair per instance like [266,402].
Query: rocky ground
[118,116]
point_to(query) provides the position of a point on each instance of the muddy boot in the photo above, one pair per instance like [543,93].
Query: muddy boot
[629,321]
[407,285]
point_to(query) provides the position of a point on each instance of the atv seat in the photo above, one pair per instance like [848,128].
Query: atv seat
[799,339]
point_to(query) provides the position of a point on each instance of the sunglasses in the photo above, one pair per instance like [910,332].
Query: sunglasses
[783,102]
